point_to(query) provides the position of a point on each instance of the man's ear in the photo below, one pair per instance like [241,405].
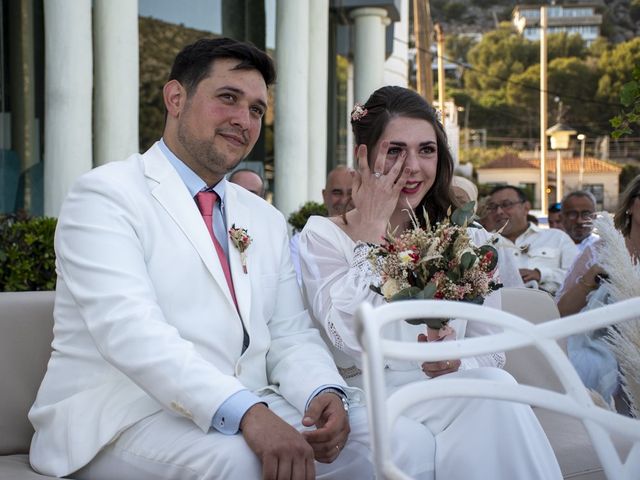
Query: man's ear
[527,205]
[174,96]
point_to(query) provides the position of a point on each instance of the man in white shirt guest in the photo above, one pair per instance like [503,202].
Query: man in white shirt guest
[578,212]
[542,255]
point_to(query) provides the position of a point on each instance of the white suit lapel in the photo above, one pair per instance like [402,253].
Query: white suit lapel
[238,214]
[171,192]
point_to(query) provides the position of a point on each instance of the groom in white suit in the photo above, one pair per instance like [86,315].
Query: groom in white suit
[163,368]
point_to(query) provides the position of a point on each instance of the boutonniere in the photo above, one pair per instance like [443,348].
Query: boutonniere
[241,240]
[524,248]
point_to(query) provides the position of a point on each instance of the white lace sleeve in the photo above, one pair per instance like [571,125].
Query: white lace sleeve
[336,277]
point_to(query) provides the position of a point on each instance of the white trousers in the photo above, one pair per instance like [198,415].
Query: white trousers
[164,446]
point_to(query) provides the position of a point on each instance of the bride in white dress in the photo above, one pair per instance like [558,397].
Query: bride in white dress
[403,160]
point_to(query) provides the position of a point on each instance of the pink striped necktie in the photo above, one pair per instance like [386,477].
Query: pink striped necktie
[206,201]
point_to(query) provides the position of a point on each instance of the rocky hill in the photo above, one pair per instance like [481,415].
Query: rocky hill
[621,18]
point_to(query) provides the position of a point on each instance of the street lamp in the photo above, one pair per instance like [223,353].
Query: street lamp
[559,135]
[582,138]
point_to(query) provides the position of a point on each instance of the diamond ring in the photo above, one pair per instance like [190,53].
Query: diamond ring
[448,364]
[338,447]
[377,174]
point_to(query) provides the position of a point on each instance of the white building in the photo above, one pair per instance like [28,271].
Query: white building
[575,18]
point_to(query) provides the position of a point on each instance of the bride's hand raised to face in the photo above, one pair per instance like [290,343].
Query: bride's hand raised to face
[375,192]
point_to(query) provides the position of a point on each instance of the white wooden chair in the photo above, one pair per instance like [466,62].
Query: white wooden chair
[576,402]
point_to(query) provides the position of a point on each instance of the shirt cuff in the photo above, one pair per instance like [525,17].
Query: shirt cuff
[227,419]
[320,389]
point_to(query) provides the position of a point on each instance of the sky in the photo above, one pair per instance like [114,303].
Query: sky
[199,14]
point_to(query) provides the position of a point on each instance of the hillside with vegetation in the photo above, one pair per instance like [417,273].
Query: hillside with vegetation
[621,18]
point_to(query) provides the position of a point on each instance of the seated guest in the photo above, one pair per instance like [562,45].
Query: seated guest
[578,212]
[554,215]
[182,349]
[543,255]
[337,191]
[464,190]
[603,268]
[249,179]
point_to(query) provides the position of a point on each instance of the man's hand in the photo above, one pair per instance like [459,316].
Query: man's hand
[327,413]
[284,453]
[530,274]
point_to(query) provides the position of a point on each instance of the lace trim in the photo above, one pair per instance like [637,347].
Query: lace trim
[361,263]
[335,337]
[349,372]
[499,359]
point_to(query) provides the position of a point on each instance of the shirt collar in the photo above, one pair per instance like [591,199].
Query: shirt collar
[191,180]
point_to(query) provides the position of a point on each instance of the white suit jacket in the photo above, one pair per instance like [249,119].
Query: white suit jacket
[144,320]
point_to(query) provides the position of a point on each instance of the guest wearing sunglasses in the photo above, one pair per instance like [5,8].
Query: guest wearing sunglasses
[542,255]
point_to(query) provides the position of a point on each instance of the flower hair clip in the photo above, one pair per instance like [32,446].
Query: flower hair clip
[241,240]
[358,112]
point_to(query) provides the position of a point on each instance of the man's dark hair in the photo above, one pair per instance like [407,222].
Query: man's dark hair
[194,61]
[521,195]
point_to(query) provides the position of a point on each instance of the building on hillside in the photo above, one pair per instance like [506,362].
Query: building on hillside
[599,177]
[575,18]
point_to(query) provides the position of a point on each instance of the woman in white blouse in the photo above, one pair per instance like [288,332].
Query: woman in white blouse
[404,162]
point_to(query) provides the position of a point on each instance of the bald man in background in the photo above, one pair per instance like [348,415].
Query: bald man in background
[249,179]
[337,198]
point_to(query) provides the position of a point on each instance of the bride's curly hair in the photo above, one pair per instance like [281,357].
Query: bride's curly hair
[369,122]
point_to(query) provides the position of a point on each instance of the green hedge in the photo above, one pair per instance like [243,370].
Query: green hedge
[299,218]
[27,258]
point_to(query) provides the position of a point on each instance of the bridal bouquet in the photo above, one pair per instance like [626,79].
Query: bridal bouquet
[439,262]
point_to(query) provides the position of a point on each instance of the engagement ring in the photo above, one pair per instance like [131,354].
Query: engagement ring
[338,447]
[377,174]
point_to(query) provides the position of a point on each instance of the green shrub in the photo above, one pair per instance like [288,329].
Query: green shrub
[27,258]
[298,219]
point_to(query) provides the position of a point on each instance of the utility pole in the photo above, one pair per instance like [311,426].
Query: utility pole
[440,44]
[422,39]
[543,109]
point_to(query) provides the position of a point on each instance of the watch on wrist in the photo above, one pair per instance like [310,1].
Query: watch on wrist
[341,394]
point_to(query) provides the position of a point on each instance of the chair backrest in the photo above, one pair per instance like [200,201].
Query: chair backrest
[576,402]
[527,365]
[26,332]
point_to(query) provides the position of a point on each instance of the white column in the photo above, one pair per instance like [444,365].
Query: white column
[369,50]
[318,87]
[68,86]
[116,79]
[396,67]
[291,122]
